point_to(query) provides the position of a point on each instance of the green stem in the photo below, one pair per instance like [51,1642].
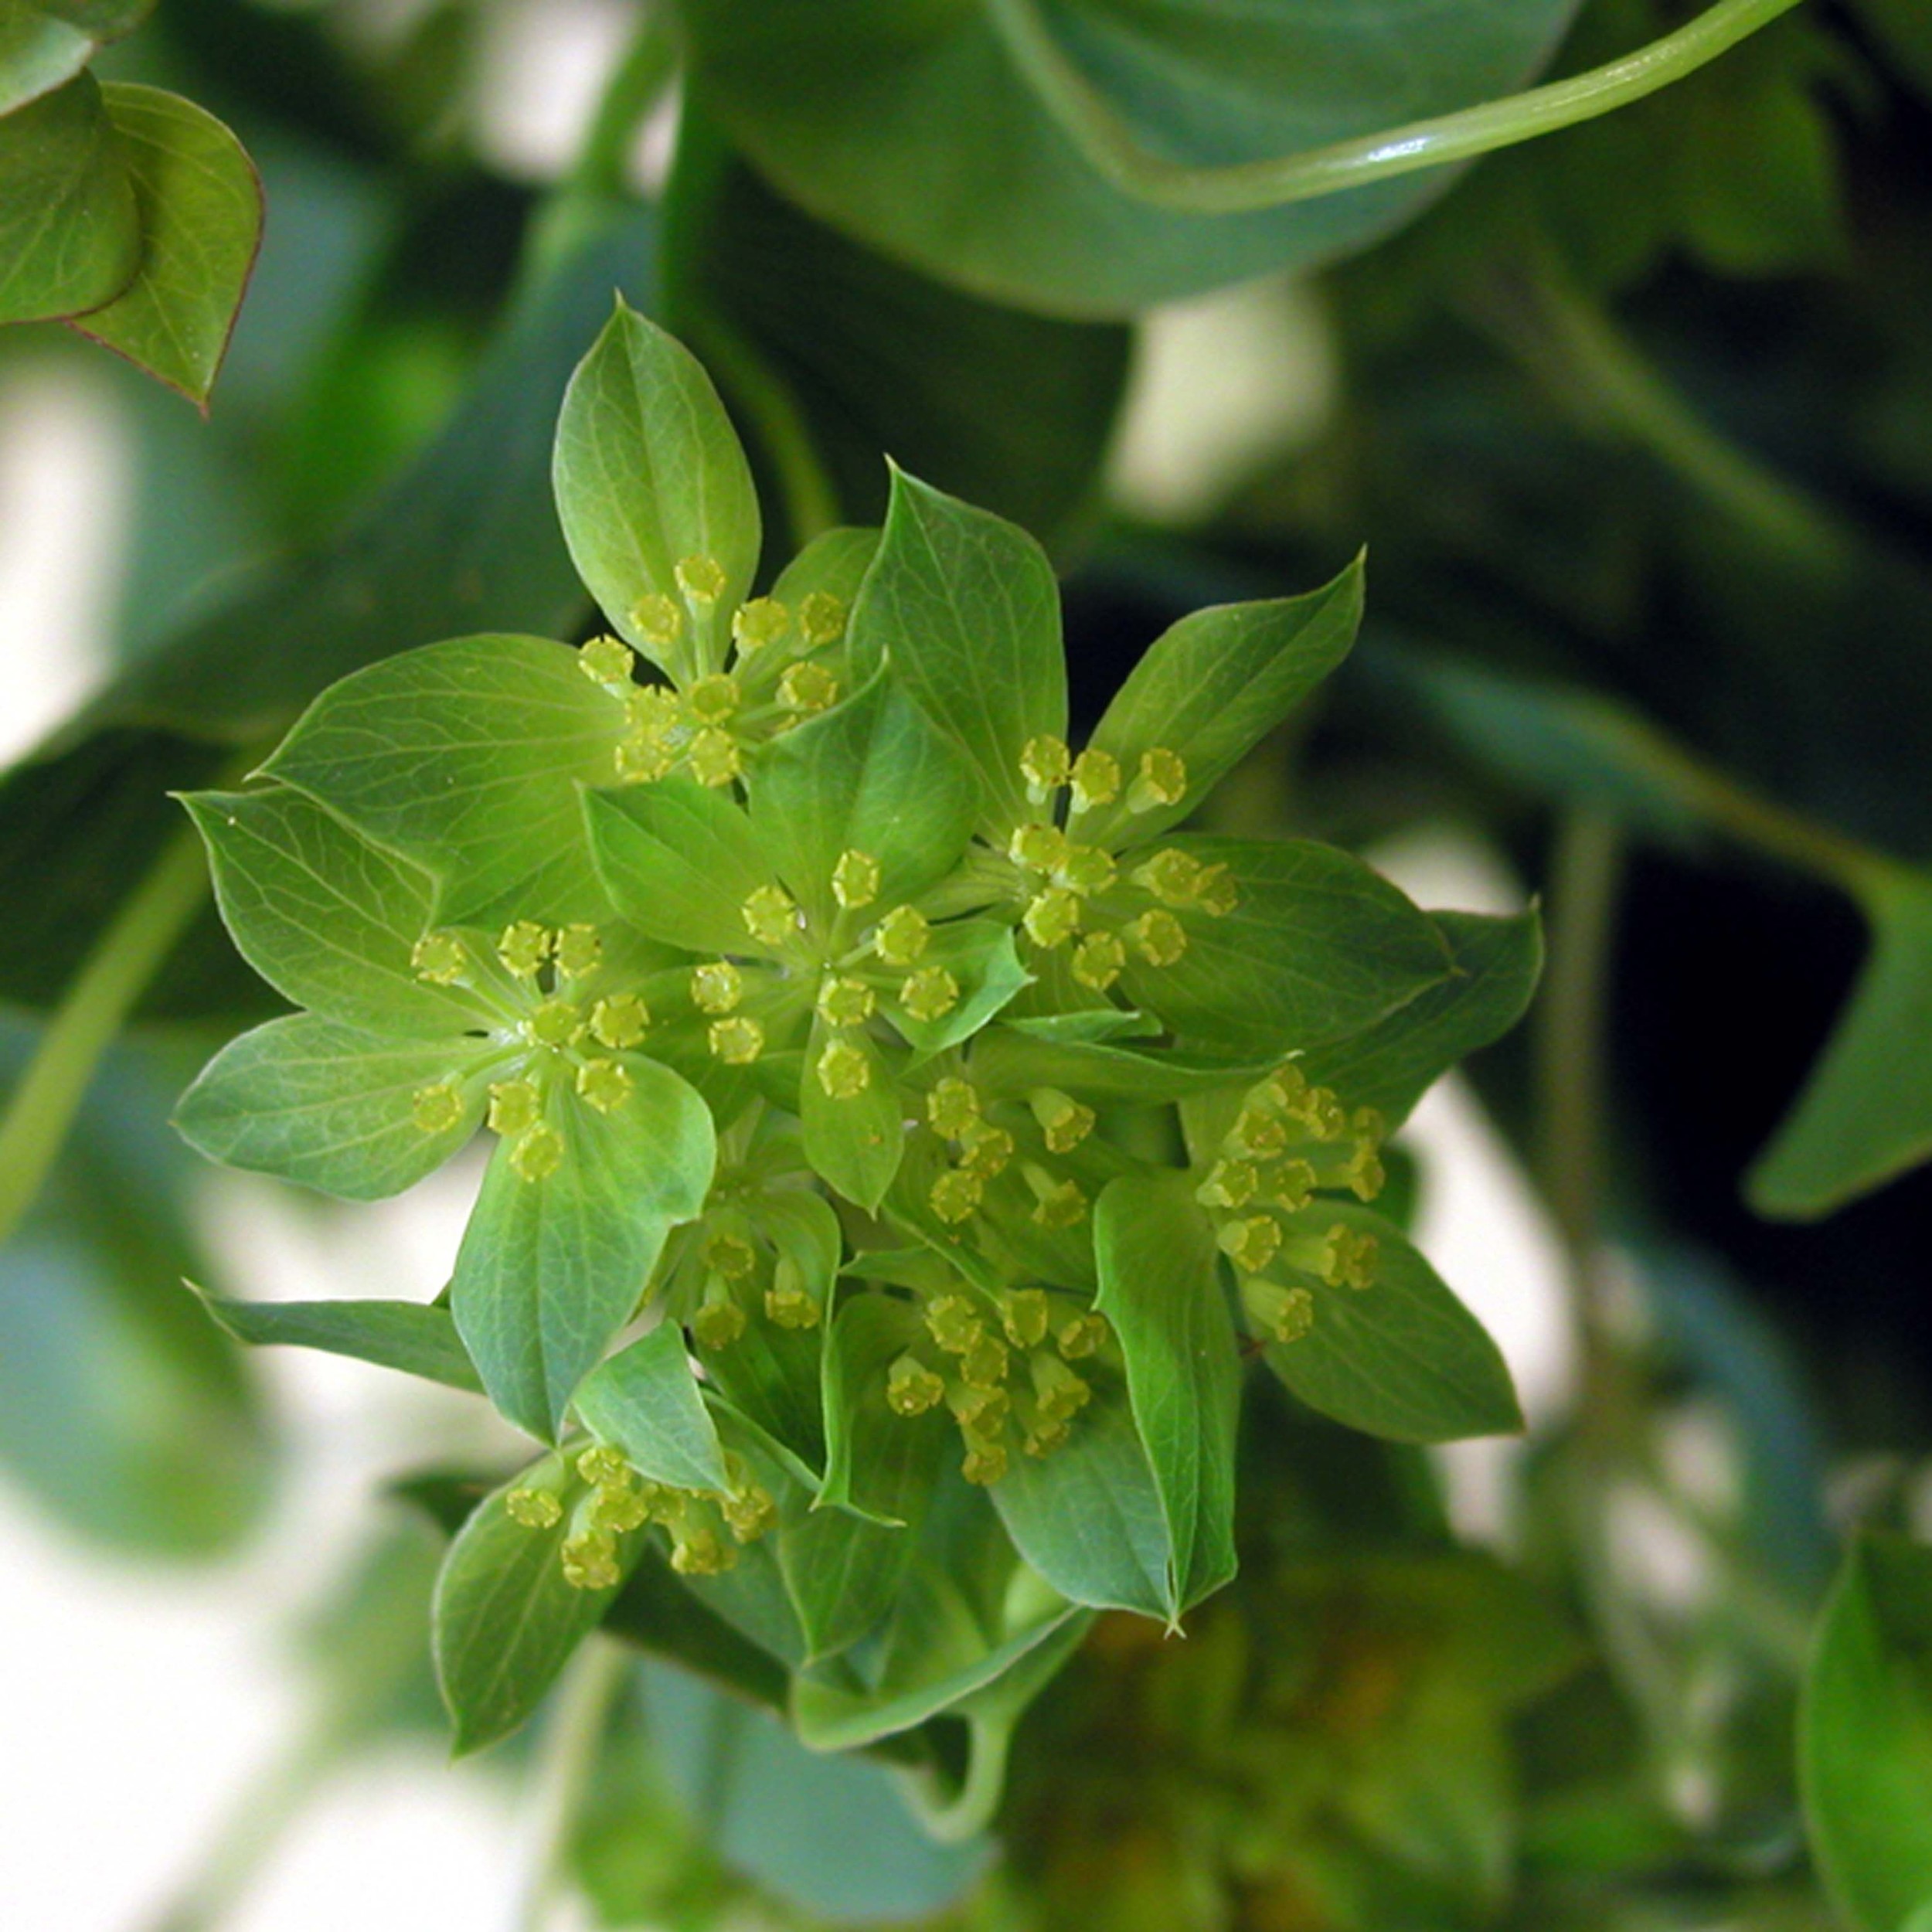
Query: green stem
[124,959]
[569,1755]
[811,497]
[1568,1042]
[639,78]
[1110,146]
[954,1817]
[1592,366]
[595,182]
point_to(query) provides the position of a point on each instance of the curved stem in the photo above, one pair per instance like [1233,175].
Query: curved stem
[959,1815]
[1109,145]
[1594,367]
[124,959]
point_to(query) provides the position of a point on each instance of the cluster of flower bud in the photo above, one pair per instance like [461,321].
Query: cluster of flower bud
[1001,1367]
[1064,876]
[567,1038]
[612,1500]
[708,723]
[737,1276]
[982,1150]
[1290,1141]
[1095,777]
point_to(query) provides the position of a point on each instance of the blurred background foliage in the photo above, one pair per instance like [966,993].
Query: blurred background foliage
[1637,422]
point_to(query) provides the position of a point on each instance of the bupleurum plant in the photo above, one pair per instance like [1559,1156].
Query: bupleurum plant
[904,1131]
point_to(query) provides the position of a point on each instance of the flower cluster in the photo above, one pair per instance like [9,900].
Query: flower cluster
[896,1108]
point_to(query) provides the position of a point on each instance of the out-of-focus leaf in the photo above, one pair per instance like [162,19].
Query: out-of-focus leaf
[657,1613]
[776,1812]
[468,534]
[1009,410]
[200,202]
[1865,1736]
[914,128]
[1865,1115]
[70,218]
[121,1408]
[39,49]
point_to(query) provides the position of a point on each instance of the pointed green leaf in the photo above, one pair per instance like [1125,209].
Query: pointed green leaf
[1212,687]
[1318,946]
[645,1401]
[648,474]
[965,607]
[772,1375]
[333,1107]
[1160,1287]
[1391,1065]
[878,1463]
[655,1611]
[1097,1026]
[504,1622]
[981,958]
[853,1139]
[550,1268]
[1402,1358]
[875,776]
[417,1338]
[467,757]
[678,861]
[1865,1114]
[844,1574]
[1012,1059]
[1089,1516]
[326,918]
[200,201]
[69,220]
[1865,1735]
[968,1614]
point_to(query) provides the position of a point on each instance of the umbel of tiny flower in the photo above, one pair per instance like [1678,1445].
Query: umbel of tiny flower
[785,665]
[1001,1363]
[603,1503]
[567,1027]
[1290,1143]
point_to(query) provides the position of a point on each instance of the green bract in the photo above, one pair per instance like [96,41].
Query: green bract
[943,1115]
